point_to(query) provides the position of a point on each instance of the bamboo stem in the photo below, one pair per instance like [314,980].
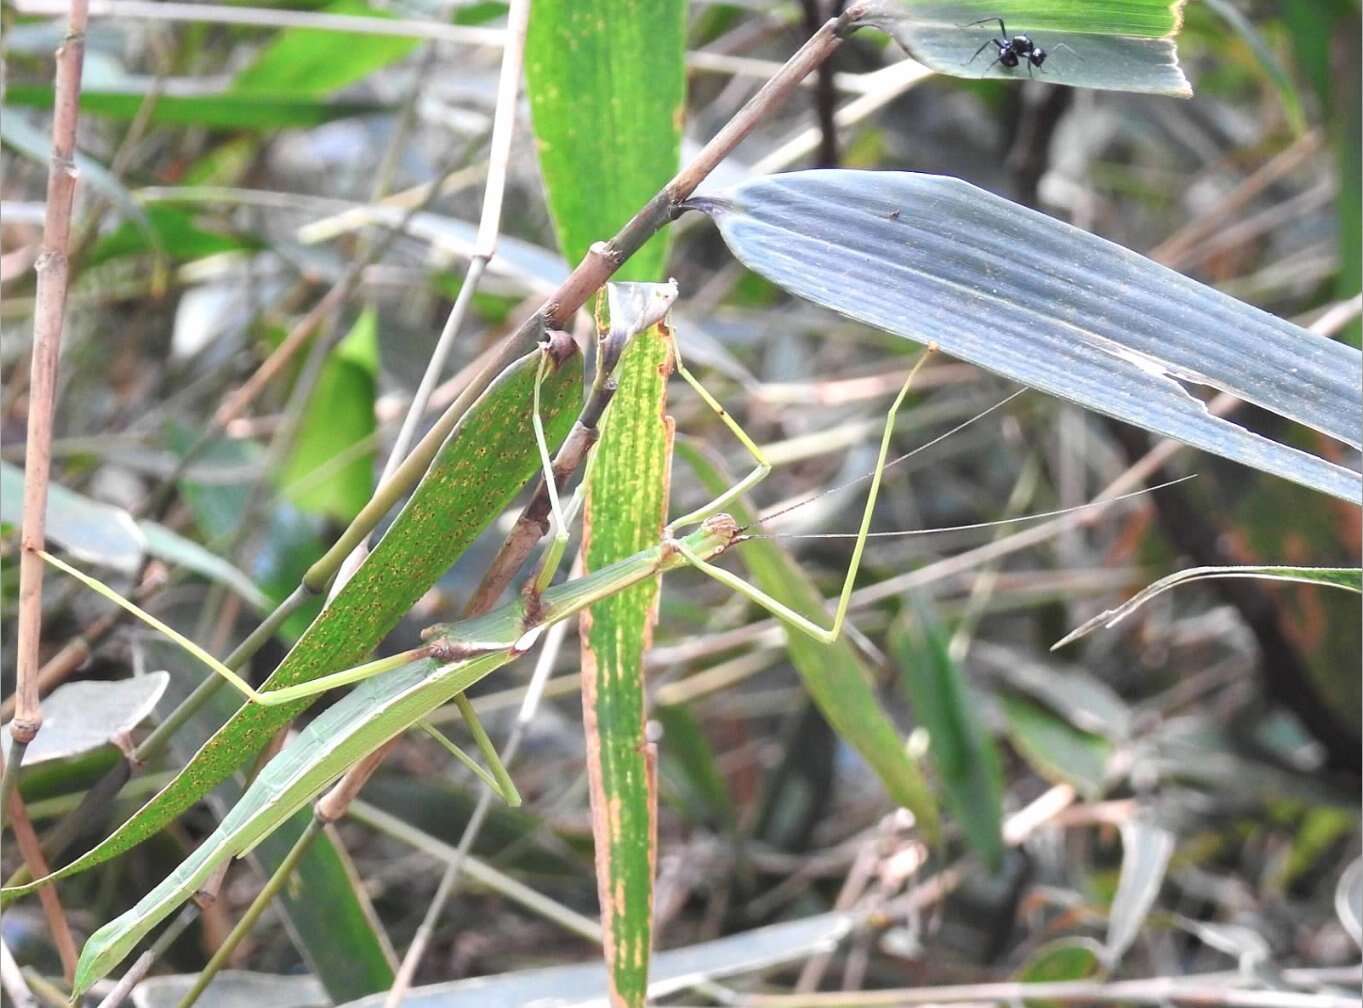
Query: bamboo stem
[52,267]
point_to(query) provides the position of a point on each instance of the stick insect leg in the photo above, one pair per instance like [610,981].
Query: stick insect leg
[749,481]
[498,780]
[784,613]
[267,698]
[542,443]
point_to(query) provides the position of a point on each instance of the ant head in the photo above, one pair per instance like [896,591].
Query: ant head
[1037,56]
[1008,58]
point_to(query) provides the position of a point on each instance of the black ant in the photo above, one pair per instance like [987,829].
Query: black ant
[1012,50]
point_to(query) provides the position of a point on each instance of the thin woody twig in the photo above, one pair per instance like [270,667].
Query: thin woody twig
[32,853]
[52,267]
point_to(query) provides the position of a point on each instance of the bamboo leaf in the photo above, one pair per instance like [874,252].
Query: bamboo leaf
[962,750]
[317,62]
[1117,45]
[1347,578]
[1056,749]
[80,717]
[607,88]
[486,459]
[213,111]
[625,511]
[91,531]
[834,674]
[606,82]
[937,260]
[325,474]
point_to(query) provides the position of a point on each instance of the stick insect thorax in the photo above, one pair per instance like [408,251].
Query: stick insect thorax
[517,625]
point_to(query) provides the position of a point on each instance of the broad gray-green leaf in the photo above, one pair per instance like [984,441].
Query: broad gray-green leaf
[935,259]
[82,716]
[1146,848]
[90,531]
[1347,578]
[28,140]
[1118,45]
[233,989]
[672,971]
[176,549]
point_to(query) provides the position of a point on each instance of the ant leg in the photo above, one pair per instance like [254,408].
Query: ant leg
[1069,49]
[981,49]
[1003,30]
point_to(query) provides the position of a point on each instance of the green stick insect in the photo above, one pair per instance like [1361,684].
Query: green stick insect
[397,693]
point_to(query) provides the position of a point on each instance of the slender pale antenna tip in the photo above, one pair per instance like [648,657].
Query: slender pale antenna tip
[903,533]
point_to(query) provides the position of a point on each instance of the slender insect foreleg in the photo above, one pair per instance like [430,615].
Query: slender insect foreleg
[747,482]
[784,613]
[268,698]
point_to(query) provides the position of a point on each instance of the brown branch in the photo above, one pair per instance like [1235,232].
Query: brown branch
[32,853]
[49,316]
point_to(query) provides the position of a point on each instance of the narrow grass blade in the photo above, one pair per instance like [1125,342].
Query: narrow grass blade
[1045,304]
[1348,578]
[1115,45]
[961,748]
[211,111]
[486,459]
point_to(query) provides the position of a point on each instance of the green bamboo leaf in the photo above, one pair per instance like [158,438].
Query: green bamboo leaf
[935,259]
[688,767]
[1061,961]
[1347,578]
[214,111]
[325,474]
[961,748]
[327,911]
[606,82]
[170,231]
[479,469]
[1117,45]
[625,511]
[834,674]
[1056,749]
[317,62]
[607,88]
